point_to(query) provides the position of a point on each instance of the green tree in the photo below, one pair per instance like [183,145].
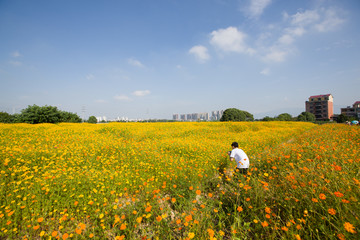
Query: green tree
[284,117]
[92,119]
[249,116]
[46,114]
[35,114]
[342,118]
[5,117]
[69,117]
[233,114]
[306,117]
[268,119]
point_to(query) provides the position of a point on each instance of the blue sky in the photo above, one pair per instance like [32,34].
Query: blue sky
[151,59]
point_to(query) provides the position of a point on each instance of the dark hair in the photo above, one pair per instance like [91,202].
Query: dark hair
[235,144]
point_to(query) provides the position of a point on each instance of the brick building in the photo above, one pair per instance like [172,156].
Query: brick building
[322,106]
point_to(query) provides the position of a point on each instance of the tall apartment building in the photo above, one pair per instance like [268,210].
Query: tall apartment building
[352,111]
[176,117]
[322,106]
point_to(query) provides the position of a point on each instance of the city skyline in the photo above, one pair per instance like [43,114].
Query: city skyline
[149,60]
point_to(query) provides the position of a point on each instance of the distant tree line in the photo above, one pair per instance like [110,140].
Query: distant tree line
[236,115]
[35,114]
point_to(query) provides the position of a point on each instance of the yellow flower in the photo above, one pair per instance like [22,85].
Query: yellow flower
[191,235]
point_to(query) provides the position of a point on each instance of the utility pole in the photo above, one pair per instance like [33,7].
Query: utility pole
[83,110]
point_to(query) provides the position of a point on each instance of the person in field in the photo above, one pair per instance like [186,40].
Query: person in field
[240,157]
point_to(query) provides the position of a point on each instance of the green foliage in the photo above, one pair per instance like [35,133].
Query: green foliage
[306,117]
[236,115]
[69,117]
[46,114]
[92,119]
[5,117]
[284,117]
[268,119]
[35,114]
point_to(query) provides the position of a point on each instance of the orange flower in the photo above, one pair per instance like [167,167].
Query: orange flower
[65,236]
[211,232]
[198,192]
[188,218]
[349,227]
[54,233]
[139,219]
[239,209]
[264,224]
[314,200]
[322,196]
[40,219]
[210,195]
[284,229]
[78,231]
[148,209]
[267,216]
[123,227]
[341,236]
[158,218]
[267,210]
[173,200]
[332,211]
[36,227]
[338,194]
[91,235]
[191,188]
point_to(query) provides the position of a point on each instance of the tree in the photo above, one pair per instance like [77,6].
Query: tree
[92,119]
[249,116]
[233,114]
[5,117]
[46,114]
[306,117]
[35,114]
[284,117]
[69,117]
[268,119]
[342,118]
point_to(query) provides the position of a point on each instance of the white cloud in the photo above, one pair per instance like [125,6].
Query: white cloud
[257,7]
[286,39]
[230,40]
[90,76]
[15,63]
[265,71]
[100,101]
[141,93]
[135,62]
[330,22]
[200,52]
[276,55]
[16,54]
[305,18]
[122,98]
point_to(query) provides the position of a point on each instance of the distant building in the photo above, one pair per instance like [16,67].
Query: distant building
[352,111]
[322,106]
[176,117]
[216,115]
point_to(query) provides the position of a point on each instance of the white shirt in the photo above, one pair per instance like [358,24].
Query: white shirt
[240,157]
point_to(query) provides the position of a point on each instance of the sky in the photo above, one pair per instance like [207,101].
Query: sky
[152,59]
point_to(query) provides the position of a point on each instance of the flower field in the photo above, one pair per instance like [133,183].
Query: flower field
[175,181]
